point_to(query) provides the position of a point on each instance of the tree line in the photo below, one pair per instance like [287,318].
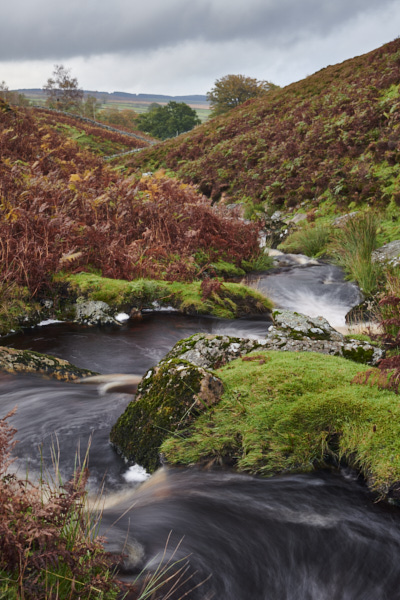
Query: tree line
[162,122]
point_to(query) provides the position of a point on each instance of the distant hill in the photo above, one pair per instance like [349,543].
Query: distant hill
[196,100]
[332,139]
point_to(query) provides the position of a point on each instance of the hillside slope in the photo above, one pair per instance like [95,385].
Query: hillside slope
[333,137]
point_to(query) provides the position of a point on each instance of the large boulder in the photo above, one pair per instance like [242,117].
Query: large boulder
[212,351]
[169,398]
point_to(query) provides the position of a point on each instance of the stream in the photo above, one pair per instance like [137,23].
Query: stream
[298,537]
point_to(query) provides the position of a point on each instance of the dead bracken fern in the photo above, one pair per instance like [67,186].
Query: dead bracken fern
[387,375]
[62,208]
[50,550]
[45,545]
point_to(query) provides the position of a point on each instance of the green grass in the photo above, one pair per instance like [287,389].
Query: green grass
[294,412]
[311,240]
[352,249]
[96,144]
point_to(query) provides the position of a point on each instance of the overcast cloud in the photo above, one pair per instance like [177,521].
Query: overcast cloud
[183,46]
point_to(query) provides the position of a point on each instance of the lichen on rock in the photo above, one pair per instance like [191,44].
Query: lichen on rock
[295,332]
[212,351]
[94,312]
[169,399]
[27,361]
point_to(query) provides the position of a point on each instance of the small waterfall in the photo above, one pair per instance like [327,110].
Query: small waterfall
[309,287]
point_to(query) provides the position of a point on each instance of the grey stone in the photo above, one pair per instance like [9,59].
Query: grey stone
[388,253]
[94,312]
[299,333]
[211,351]
[291,332]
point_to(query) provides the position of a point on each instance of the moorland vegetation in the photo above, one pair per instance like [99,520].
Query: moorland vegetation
[322,147]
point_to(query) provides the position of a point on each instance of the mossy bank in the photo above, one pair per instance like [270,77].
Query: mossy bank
[229,301]
[278,412]
[293,412]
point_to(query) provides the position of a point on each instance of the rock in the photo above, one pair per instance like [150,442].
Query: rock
[26,361]
[389,253]
[276,229]
[94,312]
[169,398]
[298,218]
[299,333]
[340,221]
[365,311]
[298,326]
[180,388]
[212,351]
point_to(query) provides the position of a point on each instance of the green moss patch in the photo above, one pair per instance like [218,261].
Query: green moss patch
[293,413]
[232,300]
[16,308]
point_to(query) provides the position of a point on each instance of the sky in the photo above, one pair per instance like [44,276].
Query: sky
[181,47]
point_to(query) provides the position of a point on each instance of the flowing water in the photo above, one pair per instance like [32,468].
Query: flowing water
[316,537]
[310,287]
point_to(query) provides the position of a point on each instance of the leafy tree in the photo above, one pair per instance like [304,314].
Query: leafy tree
[12,97]
[62,90]
[232,90]
[125,118]
[152,106]
[168,121]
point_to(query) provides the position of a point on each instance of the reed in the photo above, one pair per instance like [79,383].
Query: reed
[352,249]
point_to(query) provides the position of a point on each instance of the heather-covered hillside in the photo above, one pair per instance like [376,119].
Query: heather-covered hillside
[333,137]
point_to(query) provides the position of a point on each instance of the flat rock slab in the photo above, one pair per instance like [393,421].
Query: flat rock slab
[26,361]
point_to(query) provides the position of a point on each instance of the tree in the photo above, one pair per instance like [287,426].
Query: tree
[12,97]
[232,90]
[168,121]
[90,106]
[126,118]
[62,90]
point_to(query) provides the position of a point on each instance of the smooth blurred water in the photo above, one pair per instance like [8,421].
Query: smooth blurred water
[301,537]
[309,288]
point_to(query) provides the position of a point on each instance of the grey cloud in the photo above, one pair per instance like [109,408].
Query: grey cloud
[43,29]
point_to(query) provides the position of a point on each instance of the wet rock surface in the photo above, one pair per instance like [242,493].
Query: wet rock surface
[27,361]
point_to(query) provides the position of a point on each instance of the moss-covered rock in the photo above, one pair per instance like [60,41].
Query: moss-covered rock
[212,351]
[295,332]
[27,361]
[168,401]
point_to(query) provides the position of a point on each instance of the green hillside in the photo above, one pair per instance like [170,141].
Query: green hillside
[333,137]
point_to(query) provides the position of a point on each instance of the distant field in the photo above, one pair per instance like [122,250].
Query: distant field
[139,106]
